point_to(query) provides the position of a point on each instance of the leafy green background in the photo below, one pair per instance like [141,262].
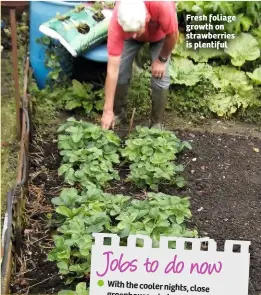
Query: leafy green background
[194,91]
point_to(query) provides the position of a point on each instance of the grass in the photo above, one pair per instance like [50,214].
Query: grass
[9,143]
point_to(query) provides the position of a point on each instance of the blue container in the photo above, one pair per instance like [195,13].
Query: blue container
[99,54]
[40,12]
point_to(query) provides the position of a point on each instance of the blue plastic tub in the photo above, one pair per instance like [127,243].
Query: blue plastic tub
[40,12]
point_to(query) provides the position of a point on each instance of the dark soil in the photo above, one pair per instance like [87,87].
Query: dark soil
[83,28]
[44,184]
[98,16]
[224,184]
[223,174]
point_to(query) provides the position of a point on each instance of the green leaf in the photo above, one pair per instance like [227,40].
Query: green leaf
[223,76]
[76,132]
[158,158]
[79,89]
[180,181]
[113,138]
[46,40]
[63,169]
[184,71]
[68,197]
[148,151]
[66,292]
[63,267]
[88,87]
[179,168]
[81,289]
[114,158]
[187,145]
[257,34]
[246,23]
[255,76]
[179,219]
[242,23]
[125,232]
[243,48]
[99,105]
[54,74]
[64,211]
[88,106]
[70,105]
[162,223]
[71,119]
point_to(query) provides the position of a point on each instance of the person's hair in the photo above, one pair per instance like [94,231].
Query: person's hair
[132,15]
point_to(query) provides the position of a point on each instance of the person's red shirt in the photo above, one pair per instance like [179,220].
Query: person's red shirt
[162,21]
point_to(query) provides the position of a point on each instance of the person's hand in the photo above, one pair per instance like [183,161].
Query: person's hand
[158,69]
[107,119]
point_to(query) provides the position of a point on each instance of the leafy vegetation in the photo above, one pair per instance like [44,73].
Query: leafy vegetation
[196,68]
[190,68]
[151,153]
[80,290]
[79,95]
[184,72]
[255,76]
[247,13]
[57,59]
[139,93]
[197,88]
[229,89]
[234,91]
[94,211]
[88,152]
[244,47]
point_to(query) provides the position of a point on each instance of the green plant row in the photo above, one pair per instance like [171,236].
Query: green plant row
[89,153]
[152,153]
[87,209]
[81,214]
[232,89]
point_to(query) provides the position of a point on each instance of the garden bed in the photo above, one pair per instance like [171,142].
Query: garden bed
[222,170]
[223,181]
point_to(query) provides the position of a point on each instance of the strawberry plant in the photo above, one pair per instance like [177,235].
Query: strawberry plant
[151,153]
[94,211]
[81,289]
[159,214]
[88,152]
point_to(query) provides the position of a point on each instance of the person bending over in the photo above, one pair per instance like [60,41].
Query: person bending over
[133,24]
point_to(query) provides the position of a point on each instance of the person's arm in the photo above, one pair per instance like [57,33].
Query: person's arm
[167,19]
[169,45]
[115,45]
[110,87]
[158,67]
